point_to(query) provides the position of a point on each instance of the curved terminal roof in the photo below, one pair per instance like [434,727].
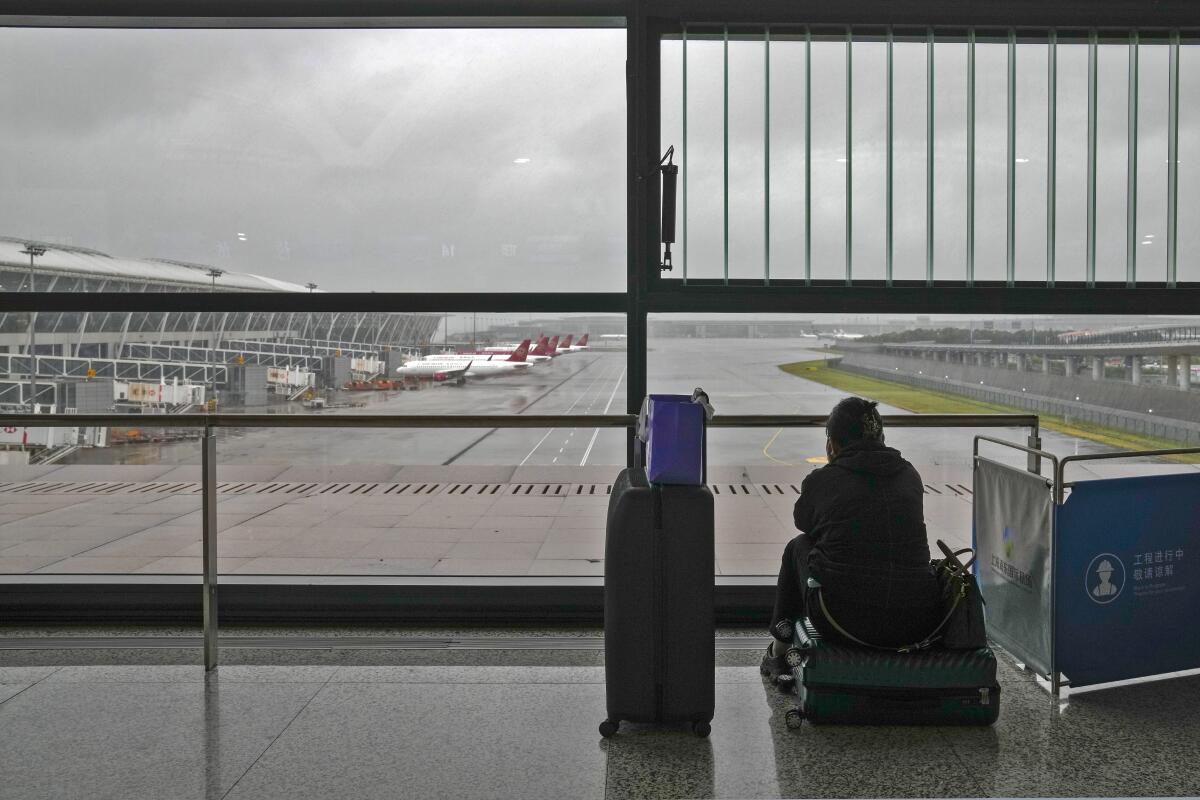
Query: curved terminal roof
[72,261]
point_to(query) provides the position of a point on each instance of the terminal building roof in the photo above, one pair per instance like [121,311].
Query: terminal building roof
[81,262]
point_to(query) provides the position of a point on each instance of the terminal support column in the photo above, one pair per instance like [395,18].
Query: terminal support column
[208,483]
[1097,368]
[1135,370]
[1185,372]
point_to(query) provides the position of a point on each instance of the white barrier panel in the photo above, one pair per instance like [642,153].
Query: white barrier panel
[1012,537]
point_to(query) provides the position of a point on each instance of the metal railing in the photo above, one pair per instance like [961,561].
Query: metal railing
[209,423]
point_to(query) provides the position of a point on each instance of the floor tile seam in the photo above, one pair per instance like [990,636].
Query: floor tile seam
[161,682]
[277,736]
[115,539]
[27,517]
[30,686]
[966,769]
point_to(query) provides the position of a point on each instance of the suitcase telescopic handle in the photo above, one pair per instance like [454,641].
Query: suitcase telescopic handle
[700,397]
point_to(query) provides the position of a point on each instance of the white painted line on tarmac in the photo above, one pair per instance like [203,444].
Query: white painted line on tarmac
[535,447]
[570,408]
[596,431]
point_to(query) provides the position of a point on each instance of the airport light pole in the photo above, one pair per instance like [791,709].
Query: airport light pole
[213,273]
[33,251]
[311,288]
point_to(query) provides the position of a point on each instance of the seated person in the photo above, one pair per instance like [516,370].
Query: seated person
[863,540]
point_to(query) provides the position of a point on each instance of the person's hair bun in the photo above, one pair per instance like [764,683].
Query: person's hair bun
[854,419]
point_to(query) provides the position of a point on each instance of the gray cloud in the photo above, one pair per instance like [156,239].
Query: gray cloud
[384,159]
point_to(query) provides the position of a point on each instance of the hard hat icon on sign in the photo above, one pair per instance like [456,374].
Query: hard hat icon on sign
[1105,578]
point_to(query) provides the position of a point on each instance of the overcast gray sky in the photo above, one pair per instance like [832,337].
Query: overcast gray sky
[451,160]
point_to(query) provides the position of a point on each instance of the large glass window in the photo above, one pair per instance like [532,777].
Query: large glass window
[361,160]
[971,124]
[125,497]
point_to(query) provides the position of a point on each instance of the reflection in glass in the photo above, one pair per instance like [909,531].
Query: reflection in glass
[787,156]
[747,120]
[1112,161]
[950,161]
[1150,248]
[829,159]
[705,245]
[1071,166]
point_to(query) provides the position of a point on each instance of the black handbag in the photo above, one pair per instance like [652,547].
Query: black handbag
[962,626]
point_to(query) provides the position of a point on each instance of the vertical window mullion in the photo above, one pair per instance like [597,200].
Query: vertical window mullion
[767,156]
[1173,162]
[807,157]
[725,146]
[1011,214]
[888,180]
[970,265]
[1131,167]
[684,158]
[929,157]
[1093,111]
[1051,152]
[849,156]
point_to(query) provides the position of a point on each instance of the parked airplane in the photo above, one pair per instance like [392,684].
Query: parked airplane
[482,364]
[841,334]
[438,371]
[520,353]
[565,347]
[581,346]
[543,351]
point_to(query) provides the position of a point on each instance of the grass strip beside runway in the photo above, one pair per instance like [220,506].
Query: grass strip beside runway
[929,401]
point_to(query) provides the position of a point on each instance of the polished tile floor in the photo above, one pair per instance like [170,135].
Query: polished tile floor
[528,730]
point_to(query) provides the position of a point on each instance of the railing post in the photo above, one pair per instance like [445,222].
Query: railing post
[1034,461]
[208,483]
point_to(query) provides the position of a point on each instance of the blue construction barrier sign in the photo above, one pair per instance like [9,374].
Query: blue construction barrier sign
[1127,600]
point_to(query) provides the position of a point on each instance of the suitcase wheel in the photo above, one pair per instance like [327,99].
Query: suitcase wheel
[793,657]
[701,729]
[609,727]
[794,718]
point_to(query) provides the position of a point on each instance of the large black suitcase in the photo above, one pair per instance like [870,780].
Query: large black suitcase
[846,683]
[659,626]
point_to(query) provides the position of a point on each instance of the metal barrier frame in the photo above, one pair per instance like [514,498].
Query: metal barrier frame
[1058,487]
[1036,454]
[208,423]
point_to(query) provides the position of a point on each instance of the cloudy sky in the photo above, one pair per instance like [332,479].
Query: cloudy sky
[427,160]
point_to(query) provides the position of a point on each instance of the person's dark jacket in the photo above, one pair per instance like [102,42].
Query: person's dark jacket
[869,546]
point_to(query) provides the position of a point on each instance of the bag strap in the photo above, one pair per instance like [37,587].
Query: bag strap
[955,568]
[952,556]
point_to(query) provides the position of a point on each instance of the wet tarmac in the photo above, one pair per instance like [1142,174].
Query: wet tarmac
[341,501]
[741,376]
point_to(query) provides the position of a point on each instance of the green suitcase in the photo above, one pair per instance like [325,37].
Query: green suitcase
[850,684]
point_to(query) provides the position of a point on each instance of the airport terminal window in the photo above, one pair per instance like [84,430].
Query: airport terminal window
[357,159]
[124,498]
[1097,383]
[754,156]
